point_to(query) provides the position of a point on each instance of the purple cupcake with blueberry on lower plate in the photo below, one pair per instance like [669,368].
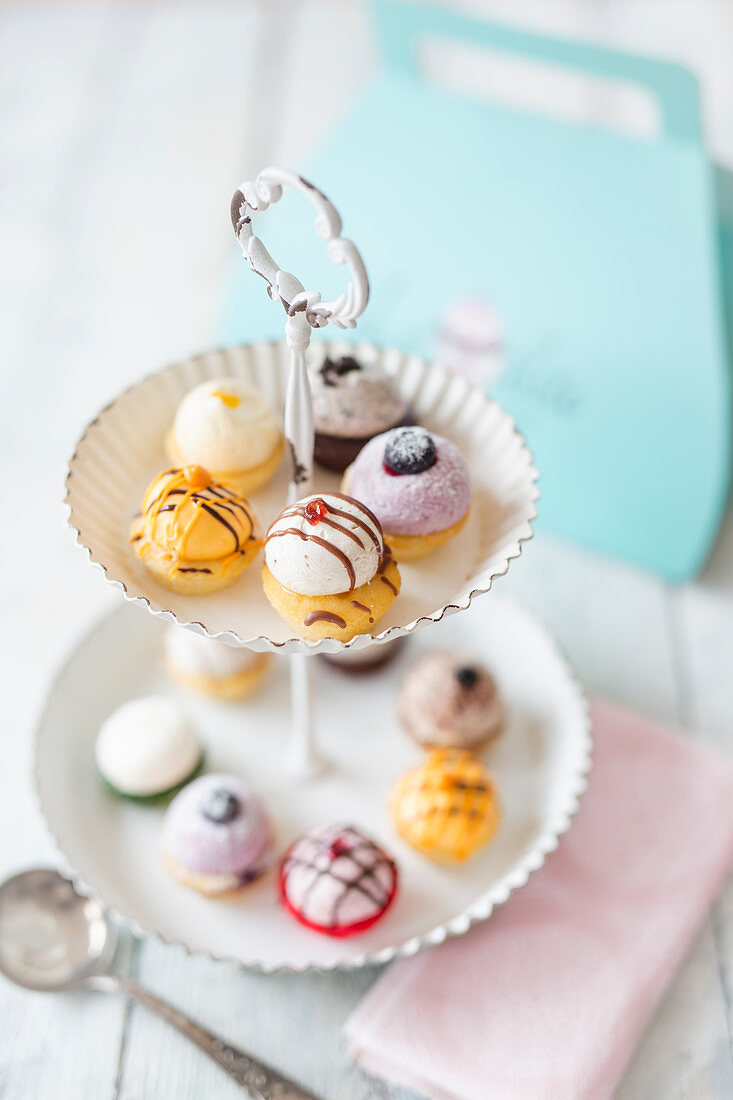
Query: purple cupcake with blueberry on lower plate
[353,400]
[418,486]
[217,836]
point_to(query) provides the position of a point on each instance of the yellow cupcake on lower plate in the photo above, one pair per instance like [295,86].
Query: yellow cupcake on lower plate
[210,667]
[447,808]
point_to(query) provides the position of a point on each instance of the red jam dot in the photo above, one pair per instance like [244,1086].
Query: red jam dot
[338,848]
[316,510]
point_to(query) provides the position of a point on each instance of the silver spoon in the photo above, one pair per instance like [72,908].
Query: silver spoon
[53,939]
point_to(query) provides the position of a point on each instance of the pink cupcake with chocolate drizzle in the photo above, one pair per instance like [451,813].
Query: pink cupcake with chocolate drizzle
[327,570]
[417,484]
[337,881]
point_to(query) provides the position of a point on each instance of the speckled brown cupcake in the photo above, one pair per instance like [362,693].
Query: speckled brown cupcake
[352,402]
[447,701]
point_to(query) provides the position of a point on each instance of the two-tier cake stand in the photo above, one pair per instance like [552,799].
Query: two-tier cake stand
[329,749]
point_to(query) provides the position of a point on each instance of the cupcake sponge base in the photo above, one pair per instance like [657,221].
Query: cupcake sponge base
[244,481]
[349,613]
[414,547]
[228,689]
[191,578]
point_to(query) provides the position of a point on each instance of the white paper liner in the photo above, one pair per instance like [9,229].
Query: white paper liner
[122,450]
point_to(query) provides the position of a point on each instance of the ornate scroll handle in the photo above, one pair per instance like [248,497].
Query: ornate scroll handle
[254,197]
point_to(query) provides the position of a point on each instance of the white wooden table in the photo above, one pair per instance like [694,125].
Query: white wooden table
[122,131]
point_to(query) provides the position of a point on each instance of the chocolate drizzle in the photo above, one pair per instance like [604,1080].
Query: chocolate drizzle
[388,582]
[363,607]
[174,491]
[299,510]
[345,847]
[324,617]
[214,499]
[326,519]
[320,542]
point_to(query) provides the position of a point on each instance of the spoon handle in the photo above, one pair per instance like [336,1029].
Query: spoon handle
[260,1080]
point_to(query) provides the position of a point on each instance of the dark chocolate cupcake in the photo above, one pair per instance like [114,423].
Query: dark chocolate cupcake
[352,402]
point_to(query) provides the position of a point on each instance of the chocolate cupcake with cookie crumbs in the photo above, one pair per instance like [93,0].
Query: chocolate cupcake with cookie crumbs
[353,400]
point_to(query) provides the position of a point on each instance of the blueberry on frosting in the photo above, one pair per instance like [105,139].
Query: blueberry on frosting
[467,677]
[220,806]
[410,451]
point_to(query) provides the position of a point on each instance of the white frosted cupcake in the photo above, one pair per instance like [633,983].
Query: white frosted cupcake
[327,571]
[211,667]
[227,427]
[147,748]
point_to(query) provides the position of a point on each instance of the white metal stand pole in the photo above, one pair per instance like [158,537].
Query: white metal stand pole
[304,310]
[304,759]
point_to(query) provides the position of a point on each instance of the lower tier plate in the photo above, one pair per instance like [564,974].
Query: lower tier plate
[112,847]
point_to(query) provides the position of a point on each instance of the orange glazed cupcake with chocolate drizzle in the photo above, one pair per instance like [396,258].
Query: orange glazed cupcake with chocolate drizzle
[194,534]
[448,807]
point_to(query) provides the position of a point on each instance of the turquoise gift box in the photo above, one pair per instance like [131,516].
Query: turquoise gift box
[603,253]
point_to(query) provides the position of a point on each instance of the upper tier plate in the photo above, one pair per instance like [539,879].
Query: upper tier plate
[122,450]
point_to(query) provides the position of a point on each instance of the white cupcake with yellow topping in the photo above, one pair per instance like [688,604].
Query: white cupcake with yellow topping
[227,426]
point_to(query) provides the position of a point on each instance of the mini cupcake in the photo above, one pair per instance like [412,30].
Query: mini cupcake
[352,402]
[216,835]
[448,807]
[227,426]
[194,534]
[337,881]
[418,486]
[360,662]
[448,701]
[327,571]
[210,667]
[471,341]
[147,749]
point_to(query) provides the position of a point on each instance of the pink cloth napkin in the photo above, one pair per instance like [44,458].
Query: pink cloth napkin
[548,999]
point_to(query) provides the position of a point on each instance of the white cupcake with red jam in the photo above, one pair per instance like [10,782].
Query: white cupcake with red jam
[338,881]
[327,571]
[418,486]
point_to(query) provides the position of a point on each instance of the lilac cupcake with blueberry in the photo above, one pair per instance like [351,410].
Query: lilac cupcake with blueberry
[417,484]
[217,835]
